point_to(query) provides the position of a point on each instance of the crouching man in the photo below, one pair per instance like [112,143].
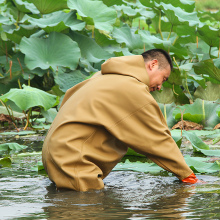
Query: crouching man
[101,117]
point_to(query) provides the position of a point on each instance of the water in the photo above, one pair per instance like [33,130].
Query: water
[27,194]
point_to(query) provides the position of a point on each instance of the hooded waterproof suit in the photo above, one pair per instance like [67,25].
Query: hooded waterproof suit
[97,122]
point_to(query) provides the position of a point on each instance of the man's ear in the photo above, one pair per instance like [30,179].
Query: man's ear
[153,64]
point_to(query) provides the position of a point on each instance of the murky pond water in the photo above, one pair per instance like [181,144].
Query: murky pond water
[27,194]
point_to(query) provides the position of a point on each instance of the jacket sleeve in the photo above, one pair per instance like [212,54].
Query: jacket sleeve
[145,131]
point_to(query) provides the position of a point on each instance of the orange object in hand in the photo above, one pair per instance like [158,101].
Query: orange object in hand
[191,179]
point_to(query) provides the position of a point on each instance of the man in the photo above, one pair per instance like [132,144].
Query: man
[101,117]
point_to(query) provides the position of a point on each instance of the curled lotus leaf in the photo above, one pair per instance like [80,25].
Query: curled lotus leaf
[94,13]
[29,97]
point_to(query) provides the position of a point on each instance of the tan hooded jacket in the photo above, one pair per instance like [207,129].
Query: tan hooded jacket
[97,122]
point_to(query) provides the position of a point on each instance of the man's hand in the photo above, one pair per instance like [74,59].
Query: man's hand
[191,179]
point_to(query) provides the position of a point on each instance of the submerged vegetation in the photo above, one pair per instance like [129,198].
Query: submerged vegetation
[46,47]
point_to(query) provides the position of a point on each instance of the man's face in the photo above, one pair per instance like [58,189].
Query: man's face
[157,76]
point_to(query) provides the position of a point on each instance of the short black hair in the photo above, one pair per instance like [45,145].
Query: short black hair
[161,55]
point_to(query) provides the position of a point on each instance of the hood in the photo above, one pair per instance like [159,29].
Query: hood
[127,65]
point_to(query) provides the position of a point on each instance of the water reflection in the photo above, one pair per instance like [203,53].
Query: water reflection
[127,195]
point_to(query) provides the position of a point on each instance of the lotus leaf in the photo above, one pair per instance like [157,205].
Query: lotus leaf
[89,48]
[207,67]
[26,7]
[29,97]
[138,167]
[167,110]
[153,40]
[16,34]
[15,147]
[210,93]
[197,165]
[57,50]
[210,35]
[49,6]
[5,162]
[199,145]
[186,5]
[200,111]
[57,21]
[165,96]
[127,36]
[112,2]
[68,80]
[177,16]
[95,13]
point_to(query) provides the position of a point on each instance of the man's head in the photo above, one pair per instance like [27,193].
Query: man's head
[158,65]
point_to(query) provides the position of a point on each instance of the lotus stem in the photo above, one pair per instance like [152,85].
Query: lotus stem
[174,91]
[181,127]
[160,26]
[93,28]
[10,66]
[29,80]
[19,84]
[165,112]
[175,40]
[20,65]
[203,110]
[197,41]
[171,30]
[187,88]
[28,121]
[144,46]
[219,48]
[210,51]
[5,105]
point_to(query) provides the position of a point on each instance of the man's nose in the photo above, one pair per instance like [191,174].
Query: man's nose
[159,87]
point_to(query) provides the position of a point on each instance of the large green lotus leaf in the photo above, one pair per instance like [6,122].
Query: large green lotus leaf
[194,112]
[12,146]
[57,50]
[68,80]
[164,96]
[49,115]
[49,6]
[22,31]
[153,40]
[127,10]
[89,48]
[186,5]
[103,40]
[218,111]
[196,142]
[127,36]
[29,97]
[26,7]
[138,167]
[207,67]
[167,110]
[94,12]
[210,35]
[175,77]
[210,93]
[112,2]
[177,16]
[198,165]
[6,20]
[58,21]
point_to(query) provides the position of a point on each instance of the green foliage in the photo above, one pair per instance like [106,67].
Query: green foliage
[57,44]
